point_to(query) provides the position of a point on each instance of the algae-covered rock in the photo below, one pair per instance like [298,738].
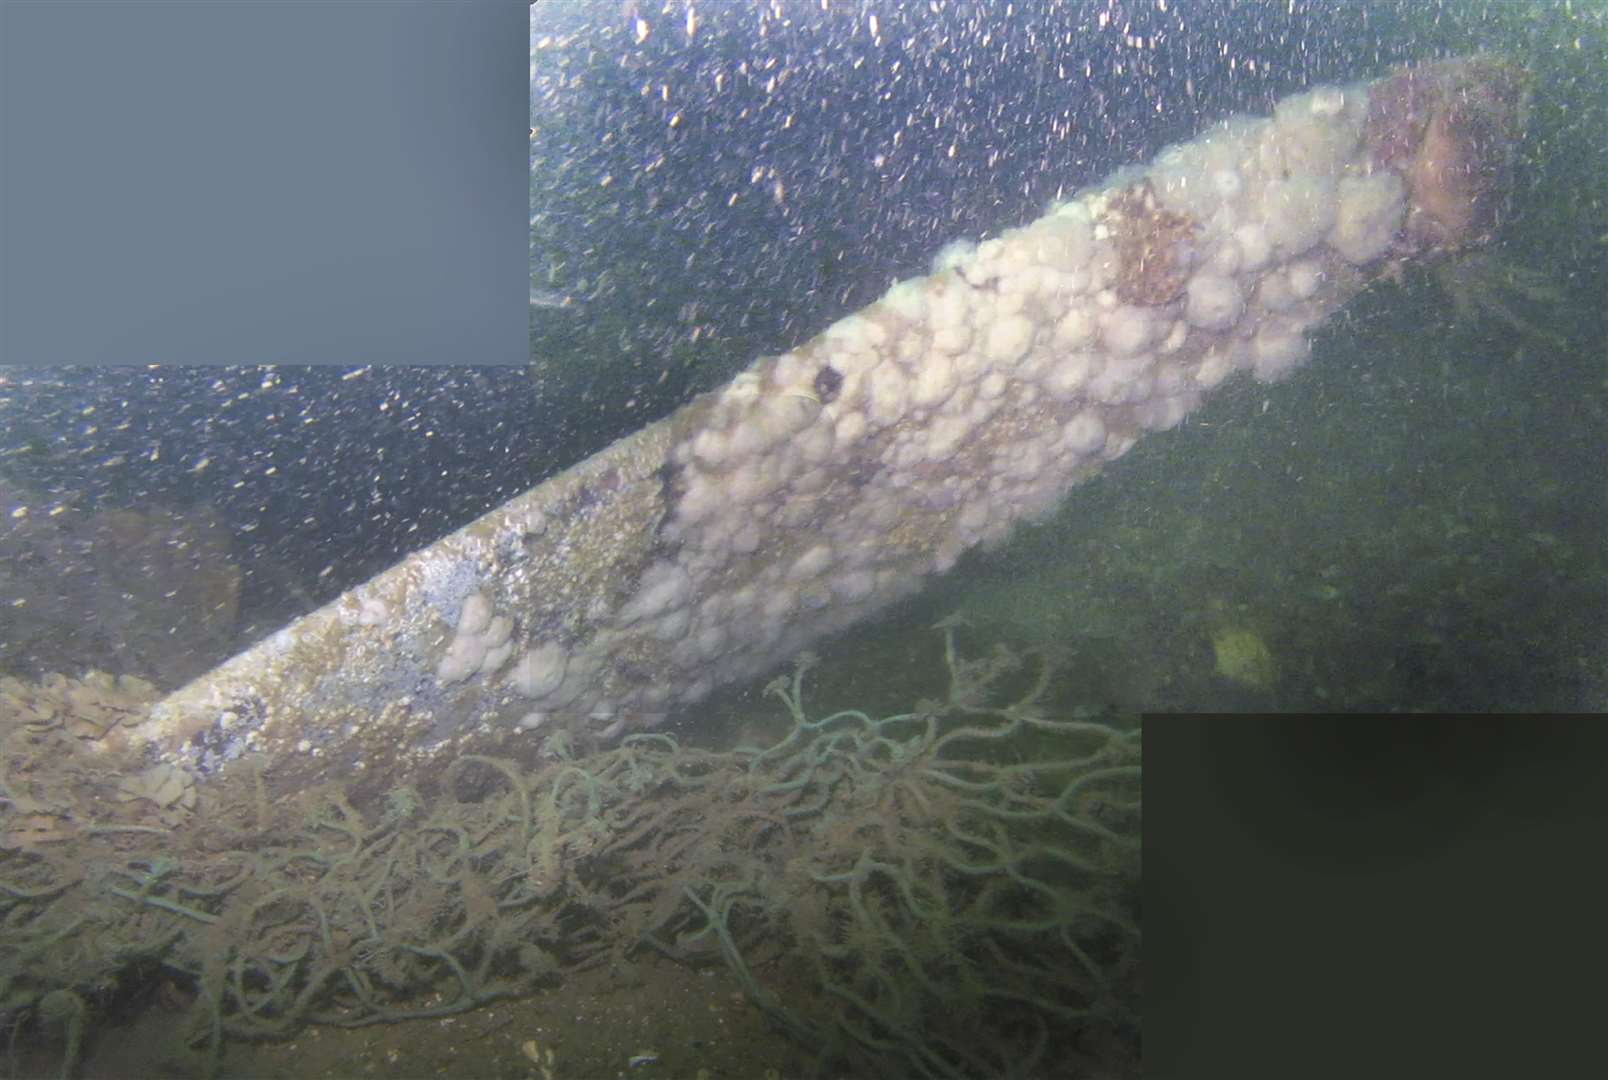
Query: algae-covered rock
[1243,657]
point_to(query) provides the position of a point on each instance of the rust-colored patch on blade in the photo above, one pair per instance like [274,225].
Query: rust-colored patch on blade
[1452,130]
[1153,246]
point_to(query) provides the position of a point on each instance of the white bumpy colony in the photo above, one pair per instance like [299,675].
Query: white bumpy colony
[823,483]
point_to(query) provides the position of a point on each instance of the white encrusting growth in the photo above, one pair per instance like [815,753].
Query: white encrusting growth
[821,485]
[540,671]
[481,641]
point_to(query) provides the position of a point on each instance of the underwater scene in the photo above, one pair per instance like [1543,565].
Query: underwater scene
[922,401]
